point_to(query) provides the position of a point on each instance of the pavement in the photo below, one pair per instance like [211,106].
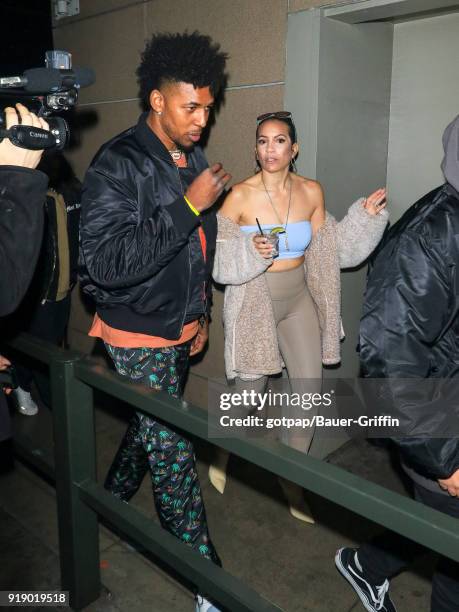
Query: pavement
[287,561]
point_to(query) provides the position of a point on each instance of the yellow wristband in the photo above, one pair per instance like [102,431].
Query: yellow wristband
[196,212]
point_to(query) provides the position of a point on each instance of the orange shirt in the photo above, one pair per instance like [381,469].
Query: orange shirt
[124,339]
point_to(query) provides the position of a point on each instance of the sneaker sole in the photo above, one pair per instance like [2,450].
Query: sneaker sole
[362,595]
[27,411]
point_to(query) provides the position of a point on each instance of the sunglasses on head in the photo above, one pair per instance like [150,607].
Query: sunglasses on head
[275,115]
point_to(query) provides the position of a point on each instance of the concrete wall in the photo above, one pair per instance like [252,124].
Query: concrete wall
[425,94]
[108,35]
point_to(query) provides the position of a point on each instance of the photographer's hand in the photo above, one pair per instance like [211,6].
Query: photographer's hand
[10,155]
[4,364]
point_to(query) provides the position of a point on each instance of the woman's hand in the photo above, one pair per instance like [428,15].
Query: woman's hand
[263,246]
[375,202]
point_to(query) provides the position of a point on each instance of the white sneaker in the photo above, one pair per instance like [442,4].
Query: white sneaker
[204,605]
[374,597]
[25,403]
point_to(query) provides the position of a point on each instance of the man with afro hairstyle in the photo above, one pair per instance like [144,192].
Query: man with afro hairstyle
[147,245]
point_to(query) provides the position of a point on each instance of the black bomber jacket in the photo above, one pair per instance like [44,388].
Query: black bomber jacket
[140,254]
[22,195]
[409,331]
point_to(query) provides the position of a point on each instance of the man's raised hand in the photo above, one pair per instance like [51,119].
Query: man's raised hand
[207,187]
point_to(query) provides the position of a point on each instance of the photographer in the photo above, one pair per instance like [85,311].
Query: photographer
[22,196]
[45,309]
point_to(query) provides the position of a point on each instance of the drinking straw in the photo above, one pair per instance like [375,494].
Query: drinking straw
[259,226]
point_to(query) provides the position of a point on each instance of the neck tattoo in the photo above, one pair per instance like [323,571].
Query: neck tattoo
[284,225]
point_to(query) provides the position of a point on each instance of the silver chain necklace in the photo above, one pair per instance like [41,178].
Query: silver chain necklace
[176,154]
[277,214]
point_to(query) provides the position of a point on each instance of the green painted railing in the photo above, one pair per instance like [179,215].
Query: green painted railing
[81,500]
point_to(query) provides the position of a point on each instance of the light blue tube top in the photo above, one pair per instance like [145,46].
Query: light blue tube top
[299,236]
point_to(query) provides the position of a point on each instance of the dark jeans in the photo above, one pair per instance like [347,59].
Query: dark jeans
[389,553]
[151,445]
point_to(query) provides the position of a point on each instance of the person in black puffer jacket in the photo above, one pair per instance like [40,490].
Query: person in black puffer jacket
[22,195]
[409,337]
[45,311]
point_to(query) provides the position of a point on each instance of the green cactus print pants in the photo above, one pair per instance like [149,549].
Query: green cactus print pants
[151,445]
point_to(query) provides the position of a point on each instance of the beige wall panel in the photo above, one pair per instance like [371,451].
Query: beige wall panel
[301,5]
[232,137]
[89,8]
[111,45]
[110,120]
[252,31]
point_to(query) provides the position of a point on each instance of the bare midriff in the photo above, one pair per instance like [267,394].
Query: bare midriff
[286,264]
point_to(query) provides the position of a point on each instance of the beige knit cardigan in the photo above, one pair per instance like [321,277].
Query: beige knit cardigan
[251,348]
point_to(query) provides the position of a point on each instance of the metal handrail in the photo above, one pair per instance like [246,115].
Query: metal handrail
[81,500]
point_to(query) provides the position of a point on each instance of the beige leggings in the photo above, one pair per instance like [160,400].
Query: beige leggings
[298,335]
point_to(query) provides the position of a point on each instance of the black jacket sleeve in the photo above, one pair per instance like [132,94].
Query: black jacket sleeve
[119,247]
[411,313]
[22,197]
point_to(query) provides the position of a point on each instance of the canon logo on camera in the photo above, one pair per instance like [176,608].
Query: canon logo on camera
[38,135]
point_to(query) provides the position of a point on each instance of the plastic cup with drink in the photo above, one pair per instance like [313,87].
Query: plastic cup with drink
[272,237]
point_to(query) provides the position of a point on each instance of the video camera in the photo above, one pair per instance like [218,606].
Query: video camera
[53,88]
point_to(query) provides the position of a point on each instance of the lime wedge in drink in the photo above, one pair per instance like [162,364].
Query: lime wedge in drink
[277,230]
